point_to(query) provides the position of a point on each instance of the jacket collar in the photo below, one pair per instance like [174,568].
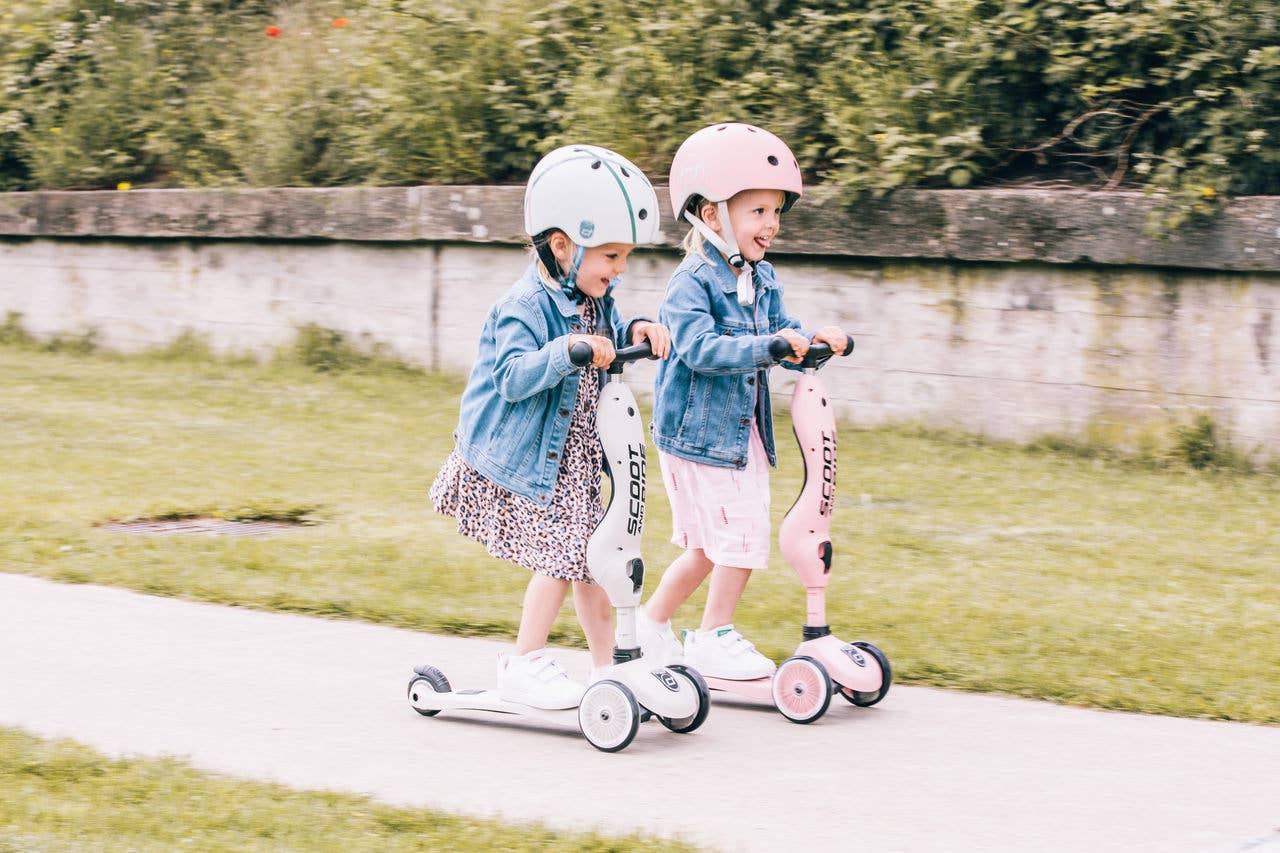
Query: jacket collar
[563,304]
[727,276]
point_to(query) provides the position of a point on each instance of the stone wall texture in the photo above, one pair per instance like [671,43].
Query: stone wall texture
[1013,314]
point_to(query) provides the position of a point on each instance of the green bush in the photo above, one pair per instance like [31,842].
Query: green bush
[1202,444]
[1180,97]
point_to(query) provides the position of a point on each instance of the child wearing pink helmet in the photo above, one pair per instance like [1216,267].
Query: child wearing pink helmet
[713,424]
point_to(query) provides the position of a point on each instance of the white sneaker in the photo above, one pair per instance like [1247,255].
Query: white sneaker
[658,643]
[537,679]
[724,653]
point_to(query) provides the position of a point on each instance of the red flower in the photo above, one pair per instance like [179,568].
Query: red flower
[273,32]
[339,22]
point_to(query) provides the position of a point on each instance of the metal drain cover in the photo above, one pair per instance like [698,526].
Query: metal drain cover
[207,526]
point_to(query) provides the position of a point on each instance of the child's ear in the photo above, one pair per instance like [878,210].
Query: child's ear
[710,214]
[561,246]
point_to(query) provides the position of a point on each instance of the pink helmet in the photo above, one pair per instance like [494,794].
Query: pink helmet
[722,160]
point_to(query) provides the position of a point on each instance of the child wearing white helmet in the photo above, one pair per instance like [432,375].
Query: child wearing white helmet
[525,473]
[712,420]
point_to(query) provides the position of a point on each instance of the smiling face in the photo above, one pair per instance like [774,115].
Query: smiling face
[600,264]
[756,219]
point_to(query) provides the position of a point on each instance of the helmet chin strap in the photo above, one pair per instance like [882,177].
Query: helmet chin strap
[569,279]
[728,246]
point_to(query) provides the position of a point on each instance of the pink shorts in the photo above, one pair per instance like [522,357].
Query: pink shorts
[723,511]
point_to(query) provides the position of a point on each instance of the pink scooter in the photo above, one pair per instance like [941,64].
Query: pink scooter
[802,686]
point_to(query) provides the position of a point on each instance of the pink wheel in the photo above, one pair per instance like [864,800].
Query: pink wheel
[801,689]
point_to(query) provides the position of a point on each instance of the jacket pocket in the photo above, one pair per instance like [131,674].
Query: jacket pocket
[515,437]
[697,408]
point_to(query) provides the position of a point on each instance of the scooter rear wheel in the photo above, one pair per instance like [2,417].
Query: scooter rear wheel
[609,715]
[801,689]
[867,699]
[688,724]
[427,677]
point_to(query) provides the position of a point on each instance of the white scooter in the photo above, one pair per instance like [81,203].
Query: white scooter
[633,691]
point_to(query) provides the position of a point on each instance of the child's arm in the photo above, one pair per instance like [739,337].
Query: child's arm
[524,365]
[687,313]
[638,329]
[781,321]
[832,335]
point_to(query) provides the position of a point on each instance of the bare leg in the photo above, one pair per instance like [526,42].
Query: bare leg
[595,614]
[542,600]
[727,584]
[681,579]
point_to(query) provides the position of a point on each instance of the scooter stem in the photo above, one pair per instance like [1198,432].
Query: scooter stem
[624,636]
[816,600]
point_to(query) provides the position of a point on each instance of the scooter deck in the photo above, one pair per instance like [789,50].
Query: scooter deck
[755,688]
[488,700]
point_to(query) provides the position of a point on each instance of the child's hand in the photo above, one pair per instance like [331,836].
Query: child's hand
[833,336]
[601,348]
[657,334]
[799,345]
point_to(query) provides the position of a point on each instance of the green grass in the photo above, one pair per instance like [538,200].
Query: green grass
[61,796]
[975,566]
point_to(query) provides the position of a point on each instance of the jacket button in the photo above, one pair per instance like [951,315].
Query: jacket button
[551,454]
[751,380]
[564,413]
[745,421]
[739,462]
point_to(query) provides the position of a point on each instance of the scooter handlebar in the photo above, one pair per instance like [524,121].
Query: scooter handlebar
[580,354]
[780,348]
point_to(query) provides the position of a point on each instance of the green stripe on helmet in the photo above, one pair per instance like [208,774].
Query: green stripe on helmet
[631,214]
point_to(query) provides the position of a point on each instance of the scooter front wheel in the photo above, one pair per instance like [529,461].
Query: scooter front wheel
[801,689]
[688,724]
[865,699]
[427,678]
[609,715]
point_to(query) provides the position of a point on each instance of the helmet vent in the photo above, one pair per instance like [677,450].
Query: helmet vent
[643,214]
[773,161]
[751,129]
[595,165]
[625,173]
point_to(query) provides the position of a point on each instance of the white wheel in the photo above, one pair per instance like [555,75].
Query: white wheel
[609,715]
[801,689]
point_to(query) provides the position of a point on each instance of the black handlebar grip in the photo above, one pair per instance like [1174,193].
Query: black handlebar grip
[580,354]
[779,348]
[635,352]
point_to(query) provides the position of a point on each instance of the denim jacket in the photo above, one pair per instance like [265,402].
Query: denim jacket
[519,400]
[706,396]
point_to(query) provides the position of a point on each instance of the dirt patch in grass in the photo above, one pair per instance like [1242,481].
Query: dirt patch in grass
[205,525]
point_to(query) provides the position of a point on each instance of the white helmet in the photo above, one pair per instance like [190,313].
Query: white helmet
[592,194]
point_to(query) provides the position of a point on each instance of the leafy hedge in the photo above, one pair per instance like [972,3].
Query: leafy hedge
[1179,96]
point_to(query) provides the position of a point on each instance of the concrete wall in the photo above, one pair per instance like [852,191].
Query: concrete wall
[1011,348]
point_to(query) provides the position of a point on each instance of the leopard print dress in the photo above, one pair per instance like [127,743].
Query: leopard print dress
[551,539]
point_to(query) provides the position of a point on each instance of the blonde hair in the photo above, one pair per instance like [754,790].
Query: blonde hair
[694,243]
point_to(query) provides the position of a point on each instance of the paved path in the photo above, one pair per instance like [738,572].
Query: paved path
[321,704]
